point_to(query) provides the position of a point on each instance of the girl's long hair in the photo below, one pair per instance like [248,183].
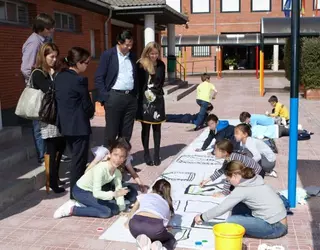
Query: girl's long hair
[45,50]
[145,61]
[163,188]
[237,167]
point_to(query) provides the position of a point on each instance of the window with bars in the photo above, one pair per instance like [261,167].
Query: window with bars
[13,12]
[201,51]
[65,21]
[165,51]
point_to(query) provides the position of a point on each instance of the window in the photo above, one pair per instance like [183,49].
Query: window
[230,6]
[95,43]
[175,4]
[260,5]
[165,51]
[201,51]
[316,4]
[200,6]
[13,12]
[65,21]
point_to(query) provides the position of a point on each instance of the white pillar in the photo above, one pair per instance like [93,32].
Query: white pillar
[149,33]
[275,57]
[171,41]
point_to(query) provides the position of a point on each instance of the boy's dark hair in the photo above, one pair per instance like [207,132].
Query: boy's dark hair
[123,36]
[205,77]
[212,117]
[273,98]
[43,21]
[244,116]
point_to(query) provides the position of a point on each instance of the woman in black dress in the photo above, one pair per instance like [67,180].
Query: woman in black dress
[151,109]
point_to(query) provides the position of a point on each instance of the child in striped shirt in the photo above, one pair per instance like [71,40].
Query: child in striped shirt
[224,150]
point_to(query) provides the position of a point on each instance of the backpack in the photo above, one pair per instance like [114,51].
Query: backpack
[48,108]
[304,135]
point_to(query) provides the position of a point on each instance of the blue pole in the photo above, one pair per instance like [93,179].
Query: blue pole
[294,102]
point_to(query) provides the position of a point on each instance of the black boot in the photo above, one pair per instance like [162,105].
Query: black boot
[157,139]
[145,133]
[58,160]
[54,165]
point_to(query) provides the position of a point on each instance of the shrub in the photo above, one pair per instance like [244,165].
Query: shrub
[287,59]
[310,63]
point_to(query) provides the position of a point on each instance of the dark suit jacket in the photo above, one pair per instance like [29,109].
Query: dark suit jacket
[107,73]
[74,105]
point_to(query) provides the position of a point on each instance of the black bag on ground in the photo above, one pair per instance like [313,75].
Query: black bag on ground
[272,144]
[305,135]
[48,109]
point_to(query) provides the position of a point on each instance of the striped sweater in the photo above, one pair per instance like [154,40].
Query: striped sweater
[246,160]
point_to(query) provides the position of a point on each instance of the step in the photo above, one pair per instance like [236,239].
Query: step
[17,151]
[168,89]
[9,134]
[182,92]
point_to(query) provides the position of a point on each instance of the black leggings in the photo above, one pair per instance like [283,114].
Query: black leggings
[55,149]
[283,131]
[145,134]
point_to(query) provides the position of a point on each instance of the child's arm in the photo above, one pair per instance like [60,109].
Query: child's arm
[118,187]
[208,140]
[132,212]
[135,176]
[277,110]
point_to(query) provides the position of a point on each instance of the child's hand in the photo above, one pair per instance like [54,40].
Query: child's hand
[126,225]
[199,150]
[203,183]
[143,188]
[218,195]
[198,220]
[169,228]
[121,192]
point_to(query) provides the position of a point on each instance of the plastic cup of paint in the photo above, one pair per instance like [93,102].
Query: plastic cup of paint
[100,229]
[198,244]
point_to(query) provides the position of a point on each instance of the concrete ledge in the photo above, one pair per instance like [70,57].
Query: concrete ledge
[8,134]
[187,91]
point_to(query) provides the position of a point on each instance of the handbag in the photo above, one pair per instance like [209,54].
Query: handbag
[30,101]
[48,108]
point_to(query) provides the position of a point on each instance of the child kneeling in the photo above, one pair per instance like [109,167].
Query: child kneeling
[151,215]
[89,189]
[255,205]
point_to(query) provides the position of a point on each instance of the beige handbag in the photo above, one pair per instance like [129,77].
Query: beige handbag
[30,101]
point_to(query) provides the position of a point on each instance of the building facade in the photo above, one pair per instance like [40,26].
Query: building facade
[233,18]
[93,25]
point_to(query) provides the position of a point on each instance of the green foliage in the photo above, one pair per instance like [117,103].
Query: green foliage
[230,62]
[287,59]
[310,63]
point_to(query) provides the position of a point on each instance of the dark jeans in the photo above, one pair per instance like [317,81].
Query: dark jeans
[79,146]
[120,109]
[38,141]
[181,118]
[202,113]
[153,228]
[256,227]
[130,197]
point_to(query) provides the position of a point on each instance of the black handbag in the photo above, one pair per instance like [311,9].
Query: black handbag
[48,108]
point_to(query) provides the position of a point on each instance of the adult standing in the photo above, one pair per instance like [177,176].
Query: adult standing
[43,28]
[151,108]
[75,109]
[116,82]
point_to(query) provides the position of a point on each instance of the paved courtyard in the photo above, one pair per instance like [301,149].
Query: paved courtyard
[29,223]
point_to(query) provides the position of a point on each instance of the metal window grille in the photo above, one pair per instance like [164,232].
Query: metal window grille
[165,51]
[201,51]
[65,21]
[13,12]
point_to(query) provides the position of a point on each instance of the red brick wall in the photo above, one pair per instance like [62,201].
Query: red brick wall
[245,21]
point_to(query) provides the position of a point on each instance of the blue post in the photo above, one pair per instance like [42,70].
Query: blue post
[294,102]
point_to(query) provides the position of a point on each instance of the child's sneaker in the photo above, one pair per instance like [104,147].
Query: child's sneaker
[64,210]
[157,245]
[272,174]
[143,242]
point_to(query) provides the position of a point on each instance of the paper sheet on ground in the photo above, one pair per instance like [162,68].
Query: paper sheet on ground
[189,168]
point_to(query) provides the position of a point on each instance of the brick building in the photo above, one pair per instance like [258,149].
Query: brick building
[232,18]
[85,23]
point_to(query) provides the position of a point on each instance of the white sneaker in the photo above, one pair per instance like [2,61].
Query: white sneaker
[156,245]
[64,210]
[143,242]
[273,174]
[300,127]
[283,121]
[78,204]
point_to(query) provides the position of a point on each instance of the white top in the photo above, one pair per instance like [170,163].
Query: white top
[100,152]
[155,204]
[257,148]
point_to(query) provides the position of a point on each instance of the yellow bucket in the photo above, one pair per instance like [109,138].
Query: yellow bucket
[228,236]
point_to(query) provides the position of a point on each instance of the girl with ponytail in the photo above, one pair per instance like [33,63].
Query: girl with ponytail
[149,218]
[254,205]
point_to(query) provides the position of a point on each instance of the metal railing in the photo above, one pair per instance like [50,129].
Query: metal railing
[180,71]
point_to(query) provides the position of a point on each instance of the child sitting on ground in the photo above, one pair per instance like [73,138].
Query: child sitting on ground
[150,215]
[224,150]
[102,153]
[279,111]
[206,91]
[88,189]
[219,130]
[257,149]
[255,205]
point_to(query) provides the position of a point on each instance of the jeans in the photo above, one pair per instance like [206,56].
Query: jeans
[202,113]
[256,227]
[38,141]
[181,118]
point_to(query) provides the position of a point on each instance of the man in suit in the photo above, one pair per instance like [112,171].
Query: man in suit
[116,82]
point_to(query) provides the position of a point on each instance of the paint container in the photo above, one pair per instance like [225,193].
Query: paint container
[198,244]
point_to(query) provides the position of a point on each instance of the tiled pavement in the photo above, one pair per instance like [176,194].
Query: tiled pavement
[29,224]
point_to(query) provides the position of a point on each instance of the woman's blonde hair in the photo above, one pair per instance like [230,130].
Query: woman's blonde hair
[237,167]
[145,61]
[45,50]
